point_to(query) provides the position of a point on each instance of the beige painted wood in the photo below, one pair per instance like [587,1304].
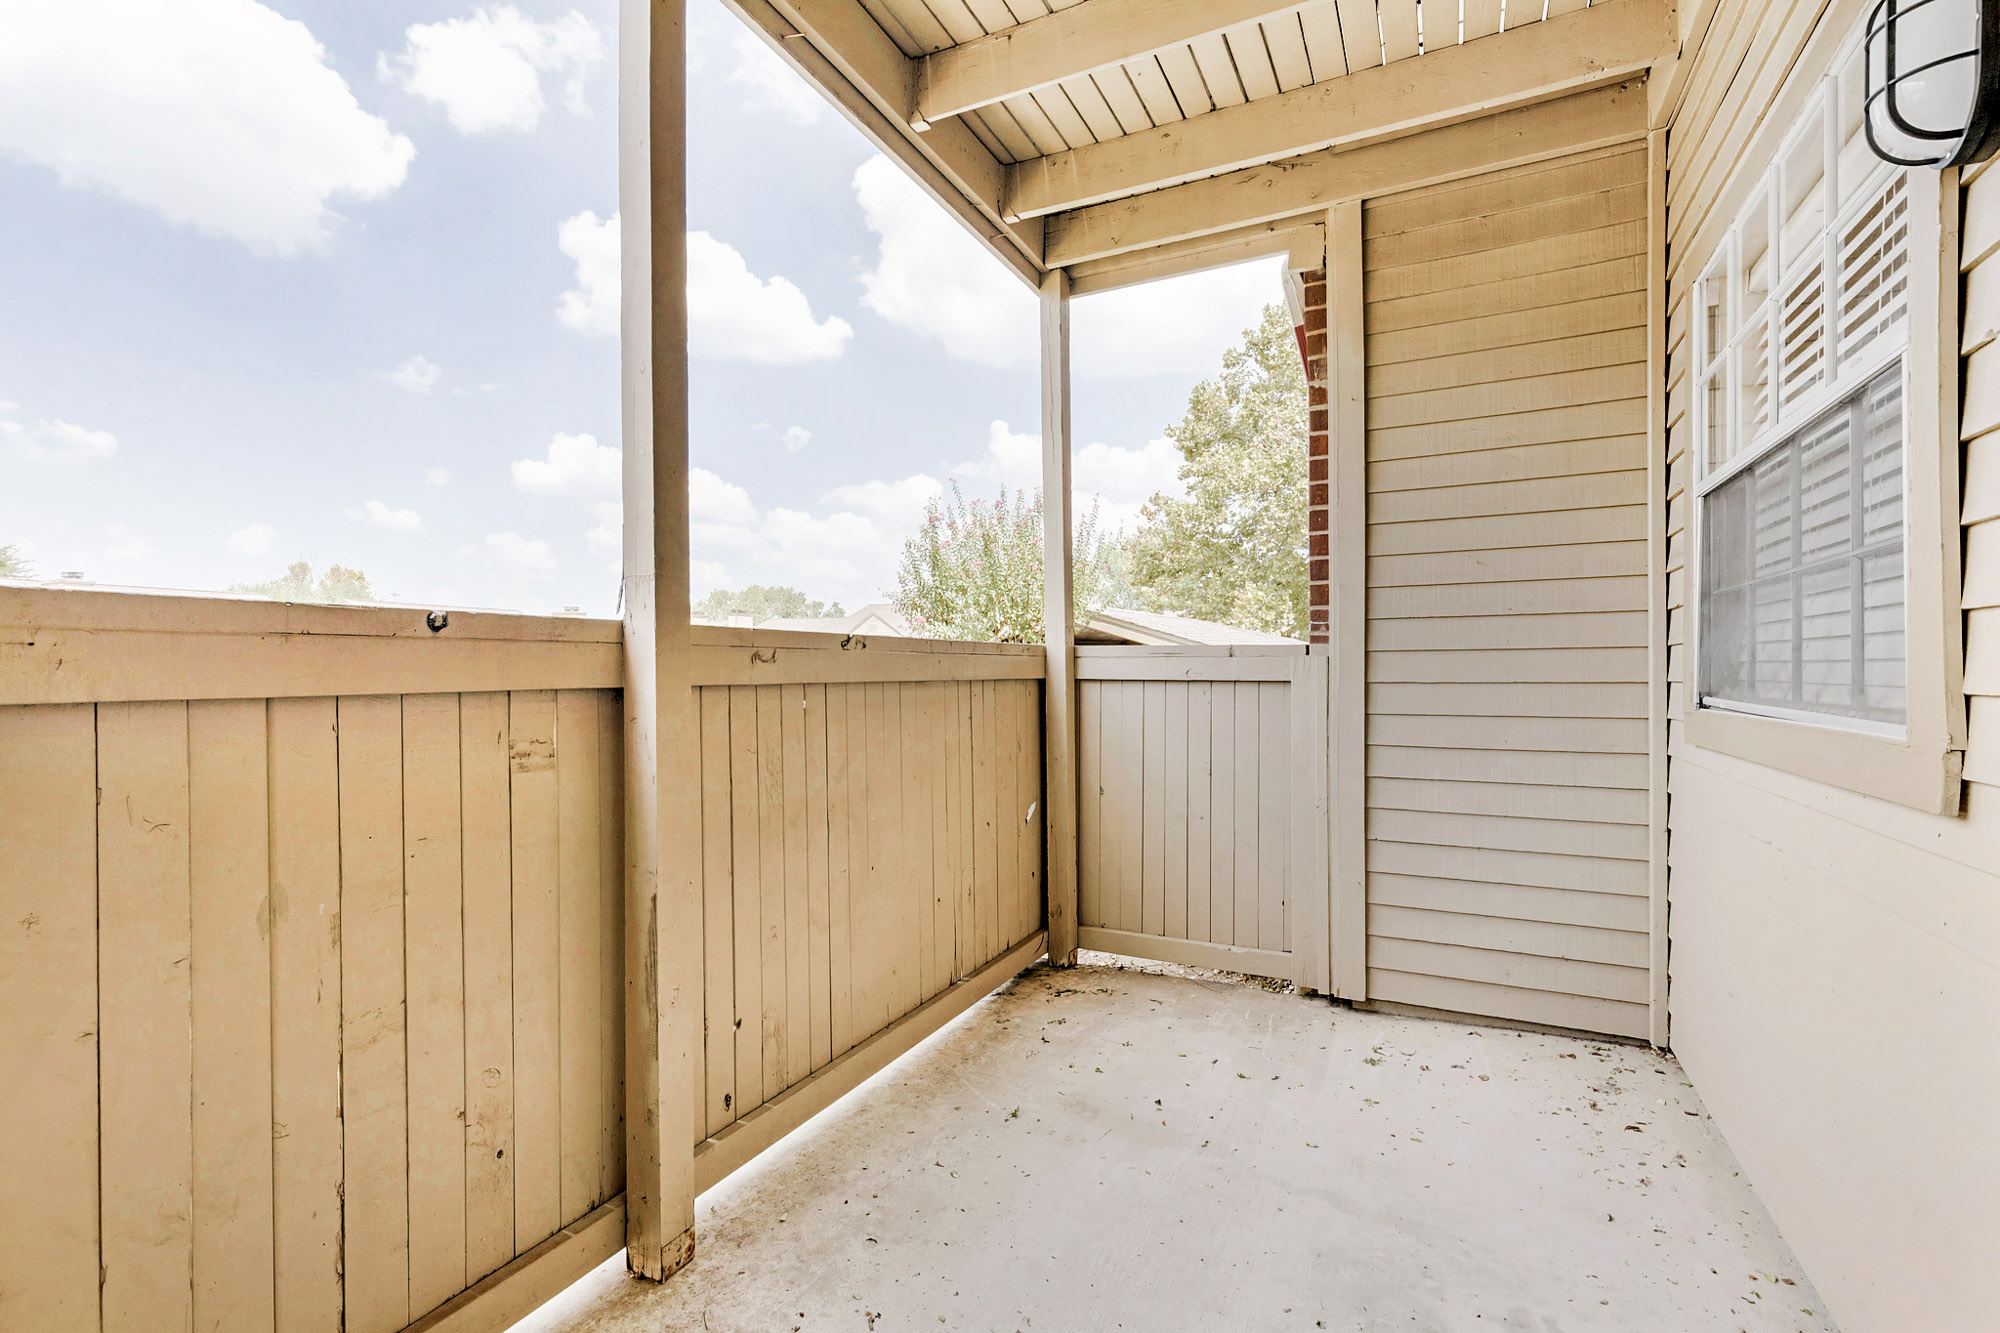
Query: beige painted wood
[1347,725]
[1658,1020]
[1316,181]
[375,1234]
[1191,953]
[49,1033]
[663,944]
[770,889]
[1604,43]
[798,999]
[1072,41]
[1173,767]
[306,1175]
[745,905]
[1059,781]
[718,915]
[230,1012]
[486,850]
[611,940]
[1285,236]
[843,780]
[778,663]
[526,1284]
[145,1116]
[578,945]
[819,947]
[531,761]
[434,984]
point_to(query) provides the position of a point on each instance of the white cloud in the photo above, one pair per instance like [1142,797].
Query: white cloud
[523,557]
[771,84]
[219,115]
[896,505]
[576,465]
[608,533]
[932,278]
[57,442]
[378,515]
[252,540]
[436,476]
[795,438]
[417,374]
[1175,326]
[844,555]
[731,311]
[591,243]
[1117,479]
[486,70]
[128,545]
[734,313]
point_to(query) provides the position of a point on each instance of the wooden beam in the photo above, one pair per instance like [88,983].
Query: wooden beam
[1059,750]
[1656,587]
[836,46]
[1288,237]
[1316,181]
[1543,60]
[663,991]
[1347,448]
[1068,43]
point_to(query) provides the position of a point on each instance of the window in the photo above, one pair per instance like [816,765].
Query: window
[1802,337]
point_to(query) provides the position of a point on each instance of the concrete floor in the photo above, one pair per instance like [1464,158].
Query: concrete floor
[1128,1149]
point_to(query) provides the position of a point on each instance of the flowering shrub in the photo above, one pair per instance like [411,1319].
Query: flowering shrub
[974,570]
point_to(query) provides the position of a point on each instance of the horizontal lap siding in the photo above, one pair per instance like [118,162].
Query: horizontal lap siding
[863,847]
[1808,921]
[271,1037]
[1506,595]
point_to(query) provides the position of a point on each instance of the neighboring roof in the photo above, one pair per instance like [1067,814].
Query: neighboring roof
[874,618]
[1129,626]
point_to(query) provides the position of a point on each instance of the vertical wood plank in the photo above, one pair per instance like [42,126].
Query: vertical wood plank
[531,759]
[578,901]
[1274,815]
[1089,804]
[229,874]
[1657,630]
[1308,880]
[920,743]
[1222,814]
[1153,810]
[984,805]
[798,896]
[944,926]
[1347,413]
[374,1079]
[1173,823]
[1034,817]
[772,997]
[904,888]
[746,898]
[305,1014]
[1249,864]
[717,915]
[961,829]
[145,998]
[487,865]
[819,949]
[839,868]
[1006,811]
[49,1263]
[1131,827]
[433,887]
[611,935]
[1199,825]
[872,927]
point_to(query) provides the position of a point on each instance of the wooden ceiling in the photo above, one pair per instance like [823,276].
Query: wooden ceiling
[1063,131]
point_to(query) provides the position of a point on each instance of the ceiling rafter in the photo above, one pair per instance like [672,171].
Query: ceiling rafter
[1605,42]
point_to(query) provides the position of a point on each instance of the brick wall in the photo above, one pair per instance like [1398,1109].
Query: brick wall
[1317,508]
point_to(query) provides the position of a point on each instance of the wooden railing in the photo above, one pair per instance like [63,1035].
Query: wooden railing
[311,937]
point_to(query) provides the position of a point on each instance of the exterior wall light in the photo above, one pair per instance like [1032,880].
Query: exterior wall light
[1933,81]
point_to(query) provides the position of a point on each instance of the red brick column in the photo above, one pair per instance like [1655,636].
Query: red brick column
[1318,512]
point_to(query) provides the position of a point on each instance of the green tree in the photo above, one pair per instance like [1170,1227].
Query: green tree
[297,584]
[974,570]
[1234,549]
[13,565]
[761,604]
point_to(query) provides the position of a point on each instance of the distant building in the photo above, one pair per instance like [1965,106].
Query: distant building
[1124,625]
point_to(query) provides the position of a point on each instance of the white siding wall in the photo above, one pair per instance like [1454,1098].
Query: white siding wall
[1506,351]
[1836,959]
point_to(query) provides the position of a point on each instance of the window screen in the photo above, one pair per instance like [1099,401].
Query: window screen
[1802,576]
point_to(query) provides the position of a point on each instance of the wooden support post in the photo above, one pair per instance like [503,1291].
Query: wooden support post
[1347,408]
[1059,616]
[662,914]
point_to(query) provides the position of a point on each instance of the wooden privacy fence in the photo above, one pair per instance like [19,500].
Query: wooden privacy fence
[871,839]
[1201,820]
[312,926]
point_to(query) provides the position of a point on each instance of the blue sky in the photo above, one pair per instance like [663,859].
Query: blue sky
[336,281]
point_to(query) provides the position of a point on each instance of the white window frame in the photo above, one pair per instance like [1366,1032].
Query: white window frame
[1916,764]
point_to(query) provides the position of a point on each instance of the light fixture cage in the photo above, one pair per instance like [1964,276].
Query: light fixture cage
[1886,79]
